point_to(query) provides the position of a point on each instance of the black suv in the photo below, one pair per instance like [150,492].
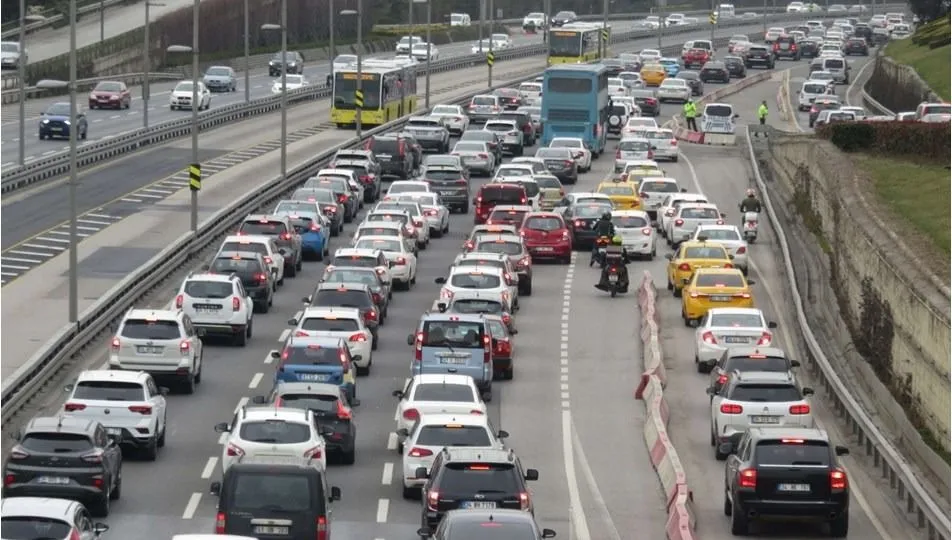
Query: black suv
[474,478]
[759,55]
[348,295]
[786,472]
[693,79]
[810,47]
[715,71]
[856,45]
[289,494]
[295,63]
[394,155]
[735,65]
[255,274]
[787,47]
[65,457]
[452,184]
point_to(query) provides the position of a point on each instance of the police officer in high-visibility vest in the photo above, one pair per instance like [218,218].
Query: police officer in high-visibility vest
[690,114]
[762,112]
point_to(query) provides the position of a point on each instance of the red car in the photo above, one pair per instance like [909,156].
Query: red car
[546,236]
[695,57]
[110,95]
[491,195]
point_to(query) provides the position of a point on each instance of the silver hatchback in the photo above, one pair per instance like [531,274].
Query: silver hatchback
[632,149]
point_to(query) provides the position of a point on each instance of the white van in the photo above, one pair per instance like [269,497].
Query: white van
[725,11]
[460,19]
[809,91]
[839,67]
[718,118]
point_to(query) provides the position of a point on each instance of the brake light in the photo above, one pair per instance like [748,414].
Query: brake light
[370,315]
[144,410]
[116,344]
[618,153]
[411,414]
[741,250]
[261,277]
[482,155]
[184,346]
[342,412]
[506,319]
[728,265]
[524,262]
[731,408]
[235,303]
[650,154]
[268,260]
[813,110]
[565,234]
[234,450]
[220,523]
[314,453]
[523,501]
[708,337]
[92,457]
[838,480]
[743,295]
[286,236]
[765,339]
[523,200]
[503,349]
[684,267]
[357,338]
[420,452]
[579,223]
[179,301]
[678,222]
[430,212]
[487,349]
[747,478]
[674,142]
[321,528]
[419,346]
[799,409]
[433,499]
[401,261]
[722,379]
[643,195]
[331,209]
[73,407]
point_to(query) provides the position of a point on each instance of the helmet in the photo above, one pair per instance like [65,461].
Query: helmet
[607,215]
[750,193]
[616,240]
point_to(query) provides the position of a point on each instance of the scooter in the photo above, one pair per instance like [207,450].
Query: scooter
[751,222]
[614,277]
[601,244]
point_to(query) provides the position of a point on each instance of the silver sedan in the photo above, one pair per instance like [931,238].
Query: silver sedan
[674,90]
[477,157]
[436,214]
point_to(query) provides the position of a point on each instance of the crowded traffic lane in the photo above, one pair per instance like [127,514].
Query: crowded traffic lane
[800,74]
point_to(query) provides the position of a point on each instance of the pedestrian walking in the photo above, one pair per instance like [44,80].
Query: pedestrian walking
[690,114]
[762,112]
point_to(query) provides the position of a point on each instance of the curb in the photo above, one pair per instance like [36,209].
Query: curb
[783,97]
[679,499]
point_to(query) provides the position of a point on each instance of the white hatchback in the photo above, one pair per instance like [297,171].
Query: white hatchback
[485,279]
[637,234]
[436,393]
[337,322]
[403,262]
[271,431]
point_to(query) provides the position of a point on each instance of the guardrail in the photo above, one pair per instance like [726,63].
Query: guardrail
[893,468]
[16,178]
[52,20]
[12,95]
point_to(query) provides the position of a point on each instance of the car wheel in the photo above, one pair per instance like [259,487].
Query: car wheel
[201,365]
[728,507]
[84,134]
[840,525]
[117,489]
[525,287]
[101,507]
[411,492]
[188,385]
[151,452]
[241,337]
[349,457]
[739,523]
[249,328]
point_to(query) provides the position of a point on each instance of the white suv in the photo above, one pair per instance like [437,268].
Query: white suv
[128,404]
[340,322]
[272,431]
[485,279]
[217,304]
[160,342]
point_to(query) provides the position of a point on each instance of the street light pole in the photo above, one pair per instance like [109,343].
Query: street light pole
[102,20]
[660,22]
[284,89]
[146,64]
[429,22]
[603,43]
[491,28]
[247,57]
[360,60]
[21,74]
[765,17]
[73,177]
[410,10]
[482,22]
[716,20]
[333,52]
[195,106]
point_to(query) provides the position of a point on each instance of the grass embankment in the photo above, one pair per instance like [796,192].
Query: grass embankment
[927,51]
[916,192]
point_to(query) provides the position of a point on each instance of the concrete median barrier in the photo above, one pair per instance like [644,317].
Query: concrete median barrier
[716,139]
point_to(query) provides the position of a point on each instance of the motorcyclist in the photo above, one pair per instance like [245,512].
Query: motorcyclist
[603,228]
[617,256]
[750,204]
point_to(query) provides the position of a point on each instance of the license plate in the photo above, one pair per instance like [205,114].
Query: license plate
[205,308]
[145,349]
[270,529]
[57,480]
[795,488]
[543,249]
[384,157]
[314,377]
[114,431]
[765,419]
[613,278]
[453,361]
[601,251]
[56,129]
[478,505]
[735,339]
[720,299]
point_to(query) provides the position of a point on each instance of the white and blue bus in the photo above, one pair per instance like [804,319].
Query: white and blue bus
[575,104]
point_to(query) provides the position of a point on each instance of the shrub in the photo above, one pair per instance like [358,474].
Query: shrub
[852,136]
[929,141]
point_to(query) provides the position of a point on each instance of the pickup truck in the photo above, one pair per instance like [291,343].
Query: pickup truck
[431,132]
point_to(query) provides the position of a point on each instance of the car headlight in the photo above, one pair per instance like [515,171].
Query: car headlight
[45,122]
[66,122]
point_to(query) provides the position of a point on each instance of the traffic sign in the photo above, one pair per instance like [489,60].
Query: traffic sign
[490,58]
[359,98]
[713,18]
[605,34]
[195,176]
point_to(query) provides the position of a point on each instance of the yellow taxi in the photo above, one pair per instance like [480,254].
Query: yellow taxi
[653,74]
[636,176]
[624,196]
[636,165]
[691,256]
[714,288]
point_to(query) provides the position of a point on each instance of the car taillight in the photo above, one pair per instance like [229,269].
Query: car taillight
[678,222]
[431,212]
[523,200]
[765,339]
[684,267]
[523,500]
[799,409]
[731,408]
[579,223]
[650,154]
[400,261]
[813,110]
[446,293]
[503,348]
[524,262]
[747,478]
[708,337]
[565,234]
[488,347]
[220,523]
[268,260]
[722,379]
[420,452]
[321,528]
[144,410]
[343,413]
[235,303]
[418,354]
[479,200]
[643,195]
[314,453]
[261,277]
[179,301]
[115,344]
[366,178]
[411,414]
[838,480]
[234,450]
[357,338]
[73,407]
[184,346]
[433,499]
[331,209]
[506,319]
[377,298]
[741,250]
[742,295]
[370,315]
[728,265]
[482,155]
[674,142]
[286,236]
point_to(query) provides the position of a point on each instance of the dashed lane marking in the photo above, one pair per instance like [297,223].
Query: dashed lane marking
[284,335]
[192,505]
[392,441]
[383,508]
[255,381]
[387,477]
[209,468]
[28,253]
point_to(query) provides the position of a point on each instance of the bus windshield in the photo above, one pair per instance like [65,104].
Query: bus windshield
[345,85]
[565,43]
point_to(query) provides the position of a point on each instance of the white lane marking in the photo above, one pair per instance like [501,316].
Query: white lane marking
[30,253]
[100,216]
[40,246]
[383,508]
[284,335]
[94,222]
[255,381]
[268,359]
[192,505]
[392,441]
[85,228]
[776,300]
[578,520]
[148,195]
[22,260]
[593,488]
[241,403]
[159,191]
[15,267]
[131,200]
[113,117]
[387,477]
[209,468]
[9,274]
[49,152]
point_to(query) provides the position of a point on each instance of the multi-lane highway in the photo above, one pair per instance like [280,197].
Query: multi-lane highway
[800,120]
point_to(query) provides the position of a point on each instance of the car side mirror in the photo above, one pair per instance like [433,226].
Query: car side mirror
[292,322]
[215,488]
[669,256]
[684,190]
[391,264]
[726,448]
[259,400]
[440,280]
[486,396]
[275,354]
[403,432]
[502,434]
[164,390]
[420,473]
[771,325]
[335,494]
[306,299]
[532,475]
[69,387]
[410,339]
[513,331]
[751,282]
[222,427]
[842,450]
[357,358]
[709,391]
[548,533]
[474,199]
[807,391]
[736,116]
[794,363]
[424,532]
[397,394]
[99,528]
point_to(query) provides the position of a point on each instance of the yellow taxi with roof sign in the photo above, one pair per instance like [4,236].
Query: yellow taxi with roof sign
[624,196]
[636,176]
[691,256]
[623,170]
[653,74]
[715,288]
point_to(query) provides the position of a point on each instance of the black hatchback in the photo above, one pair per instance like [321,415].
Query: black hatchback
[693,79]
[735,65]
[255,274]
[393,154]
[348,295]
[715,71]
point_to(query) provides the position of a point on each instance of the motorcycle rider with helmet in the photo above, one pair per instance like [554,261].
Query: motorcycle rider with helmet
[749,204]
[604,228]
[615,256]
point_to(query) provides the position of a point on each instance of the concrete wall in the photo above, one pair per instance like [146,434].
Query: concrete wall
[858,263]
[897,86]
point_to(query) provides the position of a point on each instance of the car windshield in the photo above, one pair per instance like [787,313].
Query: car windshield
[775,364]
[461,479]
[736,320]
[382,245]
[445,109]
[765,393]
[548,182]
[629,222]
[315,355]
[149,329]
[106,86]
[384,217]
[369,230]
[720,111]
[58,109]
[291,79]
[9,47]
[719,234]
[444,392]
[360,261]
[469,147]
[474,305]
[264,227]
[634,146]
[184,86]
[329,324]
[592,210]
[453,435]
[706,252]
[347,275]
[456,333]
[650,186]
[620,190]
[274,431]
[554,153]
[547,223]
[719,280]
[476,280]
[109,391]
[513,171]
[253,491]
[355,298]
[312,402]
[240,266]
[208,289]
[55,443]
[218,71]
[325,196]
[346,59]
[500,246]
[34,527]
[792,452]
[484,100]
[699,213]
[814,88]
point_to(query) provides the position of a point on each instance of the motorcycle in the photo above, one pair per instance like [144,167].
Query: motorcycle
[751,222]
[598,256]
[614,278]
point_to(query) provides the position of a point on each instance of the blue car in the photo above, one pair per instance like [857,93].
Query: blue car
[54,123]
[671,66]
[317,359]
[314,231]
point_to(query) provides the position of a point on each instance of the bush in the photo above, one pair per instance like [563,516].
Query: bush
[454,33]
[911,140]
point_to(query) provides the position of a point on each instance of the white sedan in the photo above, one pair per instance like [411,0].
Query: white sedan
[457,121]
[181,96]
[501,41]
[482,47]
[637,234]
[404,269]
[436,215]
[674,90]
[728,236]
[582,155]
[435,393]
[722,328]
[293,82]
[420,51]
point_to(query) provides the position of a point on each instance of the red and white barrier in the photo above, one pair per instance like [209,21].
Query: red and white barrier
[681,523]
[717,139]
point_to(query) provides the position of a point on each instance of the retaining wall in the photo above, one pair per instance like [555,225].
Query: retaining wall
[897,86]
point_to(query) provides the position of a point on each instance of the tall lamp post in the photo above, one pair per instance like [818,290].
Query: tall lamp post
[332,49]
[429,22]
[283,28]
[247,57]
[661,4]
[602,40]
[21,75]
[195,175]
[358,104]
[73,180]
[146,63]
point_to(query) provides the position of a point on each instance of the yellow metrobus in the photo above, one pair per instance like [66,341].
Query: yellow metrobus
[389,93]
[577,43]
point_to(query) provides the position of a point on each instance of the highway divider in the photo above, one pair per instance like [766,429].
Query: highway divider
[716,139]
[90,153]
[925,511]
[11,93]
[57,19]
[681,523]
